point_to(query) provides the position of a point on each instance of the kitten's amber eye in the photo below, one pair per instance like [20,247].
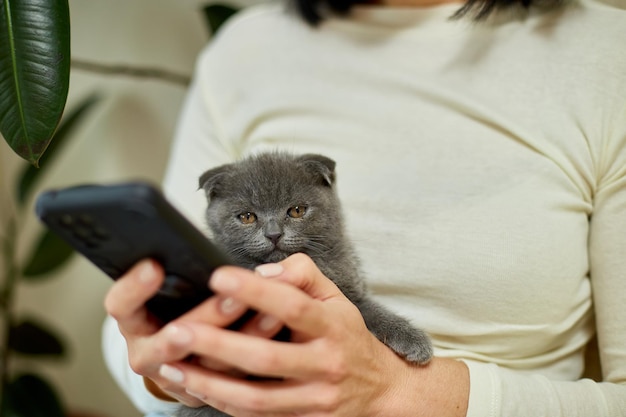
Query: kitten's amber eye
[247,218]
[296,212]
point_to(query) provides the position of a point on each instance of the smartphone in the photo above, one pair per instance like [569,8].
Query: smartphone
[115,226]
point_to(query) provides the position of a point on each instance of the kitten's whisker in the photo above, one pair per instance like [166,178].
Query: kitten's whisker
[236,252]
[316,247]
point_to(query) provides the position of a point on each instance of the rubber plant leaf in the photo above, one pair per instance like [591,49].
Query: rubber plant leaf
[50,253]
[216,15]
[32,337]
[30,395]
[34,72]
[70,120]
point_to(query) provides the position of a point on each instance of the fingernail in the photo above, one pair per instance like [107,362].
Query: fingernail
[171,374]
[147,272]
[268,323]
[222,281]
[196,394]
[180,335]
[230,306]
[269,270]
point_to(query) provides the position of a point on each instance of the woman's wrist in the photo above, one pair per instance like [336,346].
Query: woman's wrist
[154,389]
[439,389]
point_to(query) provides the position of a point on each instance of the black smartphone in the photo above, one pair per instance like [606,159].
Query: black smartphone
[114,226]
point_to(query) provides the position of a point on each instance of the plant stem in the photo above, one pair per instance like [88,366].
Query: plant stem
[131,71]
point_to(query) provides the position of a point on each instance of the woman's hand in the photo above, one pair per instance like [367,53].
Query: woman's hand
[333,367]
[150,346]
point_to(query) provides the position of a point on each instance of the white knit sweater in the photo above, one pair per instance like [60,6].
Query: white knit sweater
[482,168]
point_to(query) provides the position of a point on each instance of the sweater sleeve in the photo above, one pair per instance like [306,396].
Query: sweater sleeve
[498,392]
[116,359]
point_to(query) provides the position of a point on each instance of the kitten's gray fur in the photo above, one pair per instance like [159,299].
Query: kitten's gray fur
[268,185]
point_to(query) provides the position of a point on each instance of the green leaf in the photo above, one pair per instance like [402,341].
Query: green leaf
[30,395]
[50,253]
[34,72]
[216,15]
[30,174]
[34,338]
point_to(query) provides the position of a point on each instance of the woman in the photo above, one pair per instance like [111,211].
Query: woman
[482,168]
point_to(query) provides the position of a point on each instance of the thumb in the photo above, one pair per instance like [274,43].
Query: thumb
[300,271]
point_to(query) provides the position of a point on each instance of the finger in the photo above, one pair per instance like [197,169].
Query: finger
[171,343]
[217,311]
[126,298]
[219,366]
[262,325]
[223,311]
[262,357]
[283,301]
[300,271]
[257,397]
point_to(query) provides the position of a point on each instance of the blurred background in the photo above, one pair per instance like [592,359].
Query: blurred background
[125,135]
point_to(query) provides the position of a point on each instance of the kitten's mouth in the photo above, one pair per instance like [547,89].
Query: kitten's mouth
[276,255]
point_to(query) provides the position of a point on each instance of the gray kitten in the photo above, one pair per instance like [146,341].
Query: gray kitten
[272,205]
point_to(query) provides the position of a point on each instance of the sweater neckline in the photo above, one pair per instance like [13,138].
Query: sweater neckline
[375,20]
[403,16]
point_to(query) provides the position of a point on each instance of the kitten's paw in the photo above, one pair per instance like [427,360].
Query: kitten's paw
[408,341]
[415,347]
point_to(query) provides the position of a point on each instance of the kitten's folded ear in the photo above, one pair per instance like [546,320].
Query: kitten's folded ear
[211,180]
[321,166]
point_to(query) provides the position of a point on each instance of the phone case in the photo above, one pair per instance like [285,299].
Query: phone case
[114,226]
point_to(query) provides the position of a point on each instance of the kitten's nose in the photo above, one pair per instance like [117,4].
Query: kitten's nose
[274,237]
[273,232]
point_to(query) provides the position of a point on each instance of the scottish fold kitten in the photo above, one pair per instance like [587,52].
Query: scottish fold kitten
[267,207]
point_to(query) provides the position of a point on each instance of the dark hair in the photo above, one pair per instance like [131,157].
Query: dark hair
[313,11]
